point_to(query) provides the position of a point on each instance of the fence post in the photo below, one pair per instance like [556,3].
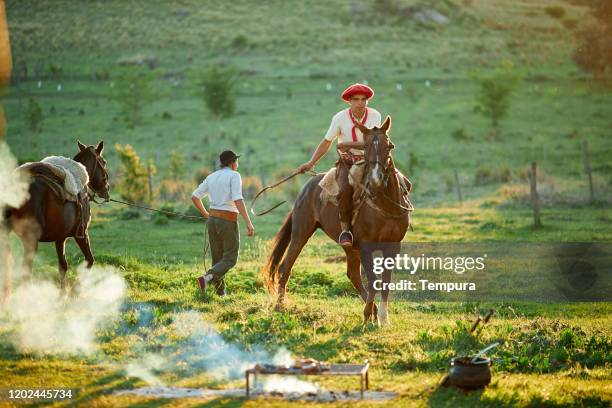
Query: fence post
[150,179]
[587,170]
[458,187]
[534,196]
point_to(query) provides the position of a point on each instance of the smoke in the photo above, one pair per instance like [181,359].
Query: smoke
[13,192]
[13,188]
[43,321]
[200,348]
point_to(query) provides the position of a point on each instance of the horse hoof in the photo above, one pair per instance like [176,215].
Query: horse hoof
[280,307]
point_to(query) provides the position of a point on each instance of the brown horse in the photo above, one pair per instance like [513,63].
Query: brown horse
[46,217]
[382,221]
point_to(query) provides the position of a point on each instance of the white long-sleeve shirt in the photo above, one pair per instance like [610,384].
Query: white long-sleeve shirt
[222,187]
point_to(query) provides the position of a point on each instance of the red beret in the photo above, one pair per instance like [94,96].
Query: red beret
[357,89]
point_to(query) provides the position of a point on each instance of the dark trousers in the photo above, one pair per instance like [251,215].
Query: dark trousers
[345,198]
[224,238]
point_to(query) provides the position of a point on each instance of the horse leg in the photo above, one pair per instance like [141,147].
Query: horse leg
[299,237]
[30,245]
[353,271]
[390,251]
[369,309]
[383,314]
[60,248]
[86,248]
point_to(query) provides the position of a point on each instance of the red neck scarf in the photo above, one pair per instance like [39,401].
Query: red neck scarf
[354,128]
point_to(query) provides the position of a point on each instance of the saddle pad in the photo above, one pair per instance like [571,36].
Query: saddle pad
[71,175]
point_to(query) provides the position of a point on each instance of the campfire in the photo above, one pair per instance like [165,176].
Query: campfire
[309,367]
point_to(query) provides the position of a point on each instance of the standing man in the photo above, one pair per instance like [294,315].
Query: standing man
[224,188]
[350,148]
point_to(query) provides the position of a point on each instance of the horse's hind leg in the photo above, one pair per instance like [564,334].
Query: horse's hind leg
[299,237]
[60,248]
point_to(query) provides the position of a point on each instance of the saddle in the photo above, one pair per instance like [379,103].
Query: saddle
[330,188]
[67,183]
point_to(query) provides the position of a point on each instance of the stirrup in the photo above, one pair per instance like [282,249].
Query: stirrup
[346,242]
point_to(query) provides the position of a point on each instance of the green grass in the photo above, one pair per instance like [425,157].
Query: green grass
[552,354]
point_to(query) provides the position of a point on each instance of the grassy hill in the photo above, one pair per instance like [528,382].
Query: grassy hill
[293,61]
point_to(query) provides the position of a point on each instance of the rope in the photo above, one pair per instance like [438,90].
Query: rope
[206,240]
[193,217]
[271,186]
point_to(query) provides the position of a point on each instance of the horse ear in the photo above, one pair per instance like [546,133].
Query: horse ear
[100,147]
[82,147]
[386,124]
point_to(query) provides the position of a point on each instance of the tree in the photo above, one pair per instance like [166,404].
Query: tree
[133,183]
[594,52]
[133,90]
[216,86]
[33,116]
[493,94]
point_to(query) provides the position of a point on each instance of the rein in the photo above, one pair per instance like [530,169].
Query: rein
[271,186]
[371,197]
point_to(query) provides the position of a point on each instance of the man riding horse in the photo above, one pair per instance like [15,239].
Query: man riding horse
[345,127]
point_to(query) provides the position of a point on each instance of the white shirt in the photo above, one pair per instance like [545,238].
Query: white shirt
[342,124]
[223,187]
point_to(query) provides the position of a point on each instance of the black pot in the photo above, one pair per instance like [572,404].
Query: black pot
[467,375]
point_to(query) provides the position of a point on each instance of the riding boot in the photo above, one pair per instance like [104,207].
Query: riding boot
[345,205]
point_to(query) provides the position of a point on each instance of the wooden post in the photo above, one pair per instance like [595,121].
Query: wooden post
[150,178]
[587,170]
[534,196]
[458,187]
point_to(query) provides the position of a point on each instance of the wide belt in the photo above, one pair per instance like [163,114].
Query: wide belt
[226,215]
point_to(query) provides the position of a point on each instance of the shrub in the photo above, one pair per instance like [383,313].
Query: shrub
[493,95]
[240,41]
[557,12]
[177,165]
[251,185]
[486,175]
[133,180]
[216,86]
[461,135]
[174,190]
[570,23]
[200,174]
[133,90]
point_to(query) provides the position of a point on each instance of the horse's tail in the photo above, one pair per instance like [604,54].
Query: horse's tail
[280,242]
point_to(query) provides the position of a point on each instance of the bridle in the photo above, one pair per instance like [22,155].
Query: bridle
[372,163]
[91,192]
[366,192]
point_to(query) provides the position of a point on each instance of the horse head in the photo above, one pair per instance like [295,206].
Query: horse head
[378,148]
[91,158]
